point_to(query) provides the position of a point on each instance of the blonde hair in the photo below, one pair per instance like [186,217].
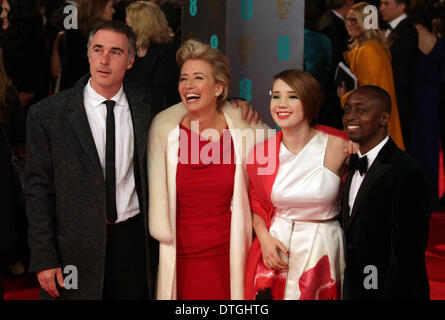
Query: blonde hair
[369,33]
[195,50]
[148,23]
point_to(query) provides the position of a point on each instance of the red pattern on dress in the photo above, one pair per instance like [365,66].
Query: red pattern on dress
[317,284]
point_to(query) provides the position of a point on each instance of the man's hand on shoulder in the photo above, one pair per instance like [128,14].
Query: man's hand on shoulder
[248,113]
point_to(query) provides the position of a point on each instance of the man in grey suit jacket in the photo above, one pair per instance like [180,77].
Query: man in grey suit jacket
[77,250]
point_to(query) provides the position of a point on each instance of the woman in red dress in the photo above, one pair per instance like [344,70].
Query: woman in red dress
[199,208]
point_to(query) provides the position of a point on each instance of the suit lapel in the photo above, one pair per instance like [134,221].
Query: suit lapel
[345,201]
[394,34]
[140,114]
[81,126]
[377,169]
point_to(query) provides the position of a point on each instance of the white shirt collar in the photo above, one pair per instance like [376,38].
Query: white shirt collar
[338,15]
[372,154]
[394,23]
[96,99]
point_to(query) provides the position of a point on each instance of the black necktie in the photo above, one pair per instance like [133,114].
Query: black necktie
[110,167]
[360,164]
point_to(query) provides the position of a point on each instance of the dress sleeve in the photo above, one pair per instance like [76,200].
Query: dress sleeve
[258,196]
[368,69]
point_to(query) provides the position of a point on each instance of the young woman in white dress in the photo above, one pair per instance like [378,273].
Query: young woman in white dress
[295,208]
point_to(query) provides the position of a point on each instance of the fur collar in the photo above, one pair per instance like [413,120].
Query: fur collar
[160,184]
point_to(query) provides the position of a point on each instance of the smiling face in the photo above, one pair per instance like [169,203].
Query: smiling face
[197,86]
[285,107]
[4,14]
[109,59]
[365,120]
[352,25]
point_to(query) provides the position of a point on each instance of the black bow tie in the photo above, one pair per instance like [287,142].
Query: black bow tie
[360,164]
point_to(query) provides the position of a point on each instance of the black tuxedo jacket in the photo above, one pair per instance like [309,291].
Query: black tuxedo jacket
[158,71]
[403,42]
[388,229]
[334,28]
[65,188]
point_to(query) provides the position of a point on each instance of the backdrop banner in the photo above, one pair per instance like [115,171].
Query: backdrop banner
[260,38]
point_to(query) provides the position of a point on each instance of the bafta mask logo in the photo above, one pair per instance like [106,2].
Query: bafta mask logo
[246,45]
[283,7]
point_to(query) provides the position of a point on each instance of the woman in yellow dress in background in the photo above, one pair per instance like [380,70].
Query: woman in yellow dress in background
[370,61]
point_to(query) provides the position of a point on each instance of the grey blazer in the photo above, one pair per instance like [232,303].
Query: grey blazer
[65,188]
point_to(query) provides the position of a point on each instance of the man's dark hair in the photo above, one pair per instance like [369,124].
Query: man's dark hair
[422,14]
[336,4]
[406,2]
[313,11]
[382,97]
[119,7]
[119,27]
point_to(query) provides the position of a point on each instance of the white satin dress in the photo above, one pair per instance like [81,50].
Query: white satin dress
[305,196]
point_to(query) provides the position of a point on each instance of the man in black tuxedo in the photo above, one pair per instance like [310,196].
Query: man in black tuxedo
[86,180]
[385,207]
[332,24]
[403,40]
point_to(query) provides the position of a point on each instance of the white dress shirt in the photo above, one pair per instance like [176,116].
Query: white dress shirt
[394,23]
[127,203]
[357,179]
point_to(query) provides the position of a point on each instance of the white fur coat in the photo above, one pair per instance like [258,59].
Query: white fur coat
[163,146]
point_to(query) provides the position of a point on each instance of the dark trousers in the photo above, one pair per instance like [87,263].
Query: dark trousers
[125,265]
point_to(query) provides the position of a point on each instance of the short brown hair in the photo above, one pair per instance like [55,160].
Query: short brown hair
[307,90]
[195,50]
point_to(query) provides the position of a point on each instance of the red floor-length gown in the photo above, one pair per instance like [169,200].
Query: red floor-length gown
[204,193]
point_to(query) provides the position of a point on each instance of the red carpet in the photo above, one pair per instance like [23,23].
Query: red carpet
[25,288]
[435,256]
